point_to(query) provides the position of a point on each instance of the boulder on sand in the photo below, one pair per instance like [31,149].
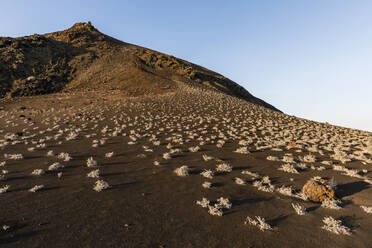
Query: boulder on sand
[318,191]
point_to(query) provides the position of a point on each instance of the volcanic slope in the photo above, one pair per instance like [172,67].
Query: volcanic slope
[190,168]
[82,58]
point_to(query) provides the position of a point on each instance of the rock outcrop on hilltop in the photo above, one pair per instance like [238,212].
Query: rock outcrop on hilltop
[82,58]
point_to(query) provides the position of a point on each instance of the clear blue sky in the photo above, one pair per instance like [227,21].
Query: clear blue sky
[312,59]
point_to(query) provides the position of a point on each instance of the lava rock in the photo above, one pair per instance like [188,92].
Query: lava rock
[318,191]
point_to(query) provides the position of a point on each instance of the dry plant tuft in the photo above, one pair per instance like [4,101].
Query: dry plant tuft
[38,172]
[182,171]
[300,210]
[335,226]
[36,188]
[93,174]
[260,222]
[224,167]
[55,166]
[366,209]
[4,189]
[207,185]
[101,185]
[207,174]
[91,162]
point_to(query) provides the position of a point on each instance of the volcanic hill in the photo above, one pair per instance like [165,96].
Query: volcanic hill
[82,58]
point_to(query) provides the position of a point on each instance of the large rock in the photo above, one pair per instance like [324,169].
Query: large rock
[317,190]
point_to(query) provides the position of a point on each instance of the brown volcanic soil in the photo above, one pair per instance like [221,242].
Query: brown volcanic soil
[82,58]
[149,205]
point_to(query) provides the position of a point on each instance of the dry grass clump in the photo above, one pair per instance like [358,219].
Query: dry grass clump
[302,166]
[300,210]
[219,206]
[239,181]
[91,162]
[194,149]
[36,188]
[207,158]
[38,172]
[109,154]
[308,158]
[65,156]
[204,202]
[264,184]
[224,167]
[213,210]
[288,159]
[4,189]
[259,222]
[331,204]
[182,171]
[207,185]
[366,209]
[285,190]
[224,203]
[288,168]
[93,174]
[220,143]
[326,162]
[167,156]
[272,158]
[252,174]
[335,226]
[348,172]
[50,153]
[5,227]
[101,185]
[55,166]
[207,174]
[242,150]
[341,156]
[13,156]
[318,168]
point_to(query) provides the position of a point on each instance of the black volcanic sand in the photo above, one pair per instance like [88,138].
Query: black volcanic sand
[148,205]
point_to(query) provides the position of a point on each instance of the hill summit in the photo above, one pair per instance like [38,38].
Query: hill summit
[82,58]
